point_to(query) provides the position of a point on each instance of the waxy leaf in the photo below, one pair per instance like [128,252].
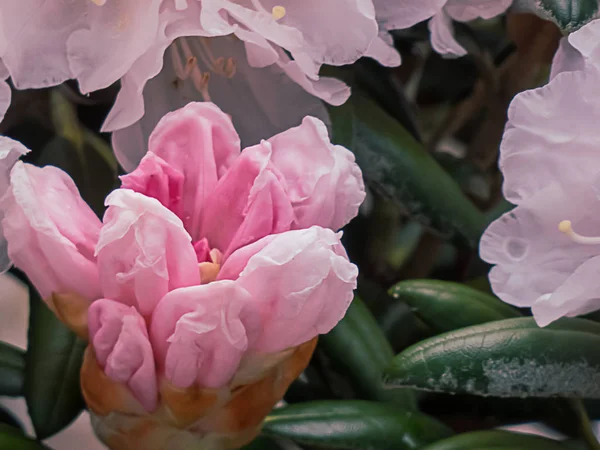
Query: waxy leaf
[354,425]
[397,166]
[507,358]
[447,306]
[12,370]
[569,15]
[359,351]
[54,357]
[13,439]
[496,440]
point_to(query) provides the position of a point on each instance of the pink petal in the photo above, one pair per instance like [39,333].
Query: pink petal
[300,281]
[466,10]
[36,32]
[143,251]
[578,295]
[543,145]
[200,142]
[248,203]
[442,36]
[401,14]
[51,231]
[578,50]
[115,36]
[323,182]
[5,93]
[382,50]
[120,340]
[10,152]
[326,38]
[155,178]
[532,257]
[199,333]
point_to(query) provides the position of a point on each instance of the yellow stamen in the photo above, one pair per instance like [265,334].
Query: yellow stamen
[278,12]
[566,227]
[98,2]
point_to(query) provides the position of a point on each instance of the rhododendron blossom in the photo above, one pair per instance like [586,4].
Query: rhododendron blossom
[545,252]
[100,42]
[206,283]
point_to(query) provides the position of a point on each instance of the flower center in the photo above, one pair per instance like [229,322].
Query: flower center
[277,12]
[566,227]
[209,261]
[185,63]
[98,2]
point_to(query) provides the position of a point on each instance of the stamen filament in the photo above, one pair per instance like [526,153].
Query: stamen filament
[566,227]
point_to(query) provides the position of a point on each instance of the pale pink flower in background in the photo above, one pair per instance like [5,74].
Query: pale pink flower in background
[209,261]
[545,254]
[401,14]
[100,42]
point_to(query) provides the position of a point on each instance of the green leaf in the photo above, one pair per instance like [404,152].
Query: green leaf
[262,443]
[13,439]
[12,370]
[447,306]
[54,357]
[359,351]
[398,166]
[497,440]
[354,424]
[569,15]
[507,358]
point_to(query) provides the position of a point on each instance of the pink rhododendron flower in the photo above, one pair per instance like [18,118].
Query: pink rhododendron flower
[271,45]
[542,256]
[213,269]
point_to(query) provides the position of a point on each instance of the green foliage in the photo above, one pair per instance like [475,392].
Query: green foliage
[570,14]
[354,425]
[12,370]
[54,357]
[496,440]
[397,166]
[13,439]
[447,306]
[507,358]
[358,349]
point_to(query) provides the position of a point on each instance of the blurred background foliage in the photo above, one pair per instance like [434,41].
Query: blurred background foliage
[426,136]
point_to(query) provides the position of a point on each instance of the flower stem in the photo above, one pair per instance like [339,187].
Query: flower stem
[586,427]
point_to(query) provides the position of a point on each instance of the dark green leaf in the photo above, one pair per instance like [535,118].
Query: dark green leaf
[507,358]
[359,351]
[262,443]
[13,439]
[12,370]
[398,166]
[54,357]
[447,306]
[496,439]
[569,14]
[354,425]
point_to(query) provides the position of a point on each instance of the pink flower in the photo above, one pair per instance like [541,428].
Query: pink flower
[211,267]
[99,42]
[548,159]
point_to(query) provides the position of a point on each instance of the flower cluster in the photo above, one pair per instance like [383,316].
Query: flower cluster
[204,287]
[548,156]
[253,58]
